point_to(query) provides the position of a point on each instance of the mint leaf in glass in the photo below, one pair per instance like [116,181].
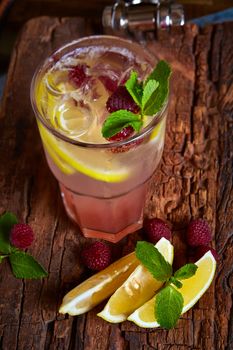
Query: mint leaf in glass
[153,260]
[148,96]
[161,74]
[118,120]
[185,271]
[25,266]
[168,307]
[134,88]
[7,220]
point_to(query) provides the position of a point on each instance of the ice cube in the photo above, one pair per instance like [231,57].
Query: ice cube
[73,119]
[115,59]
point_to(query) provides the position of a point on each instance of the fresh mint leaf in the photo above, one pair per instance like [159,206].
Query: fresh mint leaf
[118,120]
[168,307]
[2,257]
[149,95]
[134,88]
[186,271]
[25,266]
[161,74]
[7,220]
[177,283]
[153,260]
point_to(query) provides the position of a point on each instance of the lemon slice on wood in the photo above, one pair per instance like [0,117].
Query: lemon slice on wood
[136,290]
[98,287]
[192,290]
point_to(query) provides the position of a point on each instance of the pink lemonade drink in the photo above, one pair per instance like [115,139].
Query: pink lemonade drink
[103,181]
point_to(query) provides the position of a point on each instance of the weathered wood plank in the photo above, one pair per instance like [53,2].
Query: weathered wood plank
[28,187]
[194,179]
[224,221]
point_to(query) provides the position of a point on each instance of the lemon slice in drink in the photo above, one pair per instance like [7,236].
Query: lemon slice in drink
[65,168]
[136,290]
[192,290]
[96,164]
[98,287]
[158,131]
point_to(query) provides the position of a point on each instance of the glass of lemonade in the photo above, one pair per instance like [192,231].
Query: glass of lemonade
[103,182]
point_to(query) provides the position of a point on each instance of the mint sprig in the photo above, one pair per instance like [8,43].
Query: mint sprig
[120,120]
[168,306]
[150,96]
[7,220]
[135,88]
[169,301]
[151,258]
[161,74]
[175,281]
[23,265]
[185,272]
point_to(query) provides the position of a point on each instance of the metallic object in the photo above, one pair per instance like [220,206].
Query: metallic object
[137,17]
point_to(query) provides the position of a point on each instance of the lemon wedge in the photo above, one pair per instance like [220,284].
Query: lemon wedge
[93,163]
[136,290]
[192,290]
[98,287]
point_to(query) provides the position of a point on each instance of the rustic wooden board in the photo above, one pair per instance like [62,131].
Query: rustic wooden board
[194,180]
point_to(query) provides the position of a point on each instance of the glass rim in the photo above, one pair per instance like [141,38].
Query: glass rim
[138,136]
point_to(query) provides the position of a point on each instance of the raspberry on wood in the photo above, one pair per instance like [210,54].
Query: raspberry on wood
[201,250]
[96,256]
[21,236]
[155,229]
[199,233]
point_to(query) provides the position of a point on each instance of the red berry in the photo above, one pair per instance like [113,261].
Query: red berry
[110,84]
[155,229]
[21,236]
[77,74]
[96,256]
[202,249]
[198,233]
[121,99]
[121,135]
[126,148]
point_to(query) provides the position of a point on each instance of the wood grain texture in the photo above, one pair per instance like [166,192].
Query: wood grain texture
[26,9]
[194,180]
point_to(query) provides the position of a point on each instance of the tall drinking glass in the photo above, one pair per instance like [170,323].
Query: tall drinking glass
[103,183]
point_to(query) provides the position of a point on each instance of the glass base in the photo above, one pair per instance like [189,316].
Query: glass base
[110,219]
[112,237]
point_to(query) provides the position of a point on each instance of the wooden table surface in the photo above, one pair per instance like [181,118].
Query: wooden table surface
[194,180]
